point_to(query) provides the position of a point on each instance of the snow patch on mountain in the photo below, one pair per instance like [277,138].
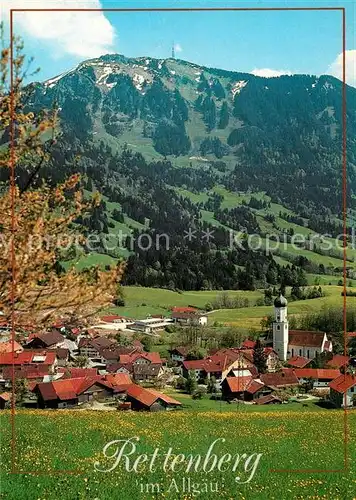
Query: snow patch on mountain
[53,81]
[138,81]
[328,86]
[103,76]
[238,86]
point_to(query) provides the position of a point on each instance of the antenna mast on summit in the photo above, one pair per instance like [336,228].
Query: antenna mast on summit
[173,51]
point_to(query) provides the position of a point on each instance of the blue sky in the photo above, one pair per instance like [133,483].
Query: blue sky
[261,42]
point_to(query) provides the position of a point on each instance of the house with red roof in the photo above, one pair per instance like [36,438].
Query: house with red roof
[272,359]
[196,367]
[46,340]
[10,347]
[143,366]
[119,381]
[321,377]
[149,399]
[71,392]
[179,354]
[248,344]
[32,373]
[244,388]
[5,399]
[308,343]
[190,318]
[114,318]
[298,362]
[343,391]
[283,379]
[146,372]
[74,372]
[37,361]
[119,368]
[338,361]
[219,364]
[62,355]
[68,392]
[92,348]
[268,399]
[142,358]
[189,309]
[64,393]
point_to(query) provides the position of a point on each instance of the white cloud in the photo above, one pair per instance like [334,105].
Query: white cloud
[82,34]
[335,68]
[178,47]
[269,73]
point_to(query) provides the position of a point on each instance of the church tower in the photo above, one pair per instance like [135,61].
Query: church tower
[280,328]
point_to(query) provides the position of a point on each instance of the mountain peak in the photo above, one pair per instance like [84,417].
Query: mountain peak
[175,107]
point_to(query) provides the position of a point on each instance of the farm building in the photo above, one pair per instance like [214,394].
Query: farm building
[338,361]
[179,354]
[47,340]
[269,399]
[27,360]
[298,362]
[321,377]
[5,398]
[6,347]
[244,388]
[190,318]
[149,400]
[70,392]
[280,380]
[343,391]
[150,325]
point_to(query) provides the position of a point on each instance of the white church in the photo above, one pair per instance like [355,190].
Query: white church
[290,343]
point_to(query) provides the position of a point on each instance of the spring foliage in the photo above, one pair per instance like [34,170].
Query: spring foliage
[37,222]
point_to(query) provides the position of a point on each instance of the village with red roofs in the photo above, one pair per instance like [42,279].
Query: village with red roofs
[117,364]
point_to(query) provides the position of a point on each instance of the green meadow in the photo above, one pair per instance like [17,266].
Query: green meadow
[290,454]
[251,317]
[141,302]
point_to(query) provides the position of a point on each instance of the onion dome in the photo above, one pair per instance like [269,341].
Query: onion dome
[280,301]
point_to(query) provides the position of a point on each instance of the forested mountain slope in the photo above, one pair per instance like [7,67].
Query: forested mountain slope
[172,145]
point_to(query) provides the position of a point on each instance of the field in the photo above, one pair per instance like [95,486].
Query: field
[250,317]
[73,440]
[207,404]
[140,302]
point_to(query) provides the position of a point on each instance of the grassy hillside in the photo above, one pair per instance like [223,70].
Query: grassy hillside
[140,302]
[286,252]
[73,440]
[251,317]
